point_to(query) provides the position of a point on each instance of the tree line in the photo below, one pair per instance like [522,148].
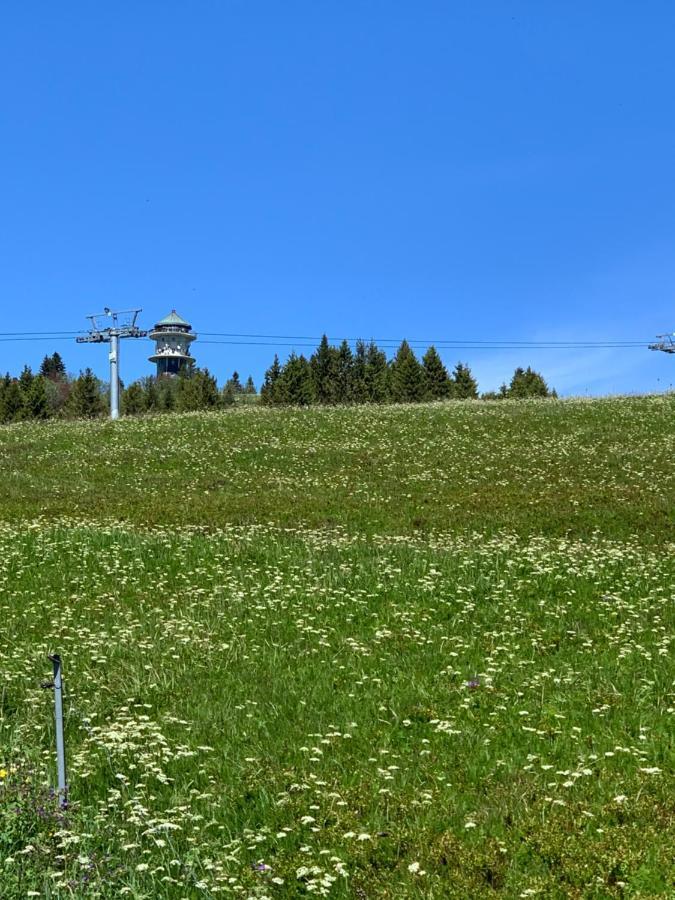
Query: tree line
[53,393]
[338,375]
[330,376]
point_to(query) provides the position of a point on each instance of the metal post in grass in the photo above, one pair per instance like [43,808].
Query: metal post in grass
[58,721]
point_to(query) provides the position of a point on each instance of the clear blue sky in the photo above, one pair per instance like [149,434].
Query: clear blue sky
[436,170]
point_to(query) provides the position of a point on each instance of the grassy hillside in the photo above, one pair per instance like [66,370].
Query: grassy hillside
[404,652]
[558,468]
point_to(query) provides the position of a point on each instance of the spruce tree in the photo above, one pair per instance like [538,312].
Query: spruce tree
[249,387]
[236,384]
[53,367]
[150,394]
[359,385]
[229,397]
[268,391]
[26,380]
[407,376]
[209,396]
[325,368]
[436,376]
[296,384]
[197,389]
[168,390]
[85,399]
[133,399]
[345,366]
[11,401]
[464,385]
[528,383]
[378,381]
[35,401]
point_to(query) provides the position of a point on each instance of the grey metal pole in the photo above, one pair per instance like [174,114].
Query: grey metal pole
[60,743]
[114,375]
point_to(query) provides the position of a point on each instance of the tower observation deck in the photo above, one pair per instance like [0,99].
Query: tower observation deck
[172,336]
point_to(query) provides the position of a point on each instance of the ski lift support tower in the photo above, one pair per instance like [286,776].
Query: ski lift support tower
[122,324]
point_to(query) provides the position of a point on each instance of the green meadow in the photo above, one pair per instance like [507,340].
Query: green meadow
[392,652]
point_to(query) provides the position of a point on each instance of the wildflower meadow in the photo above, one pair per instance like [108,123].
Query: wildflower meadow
[391,652]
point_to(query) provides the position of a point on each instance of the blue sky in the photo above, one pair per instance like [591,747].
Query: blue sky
[385,169]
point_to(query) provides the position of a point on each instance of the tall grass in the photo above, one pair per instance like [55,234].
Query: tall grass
[406,652]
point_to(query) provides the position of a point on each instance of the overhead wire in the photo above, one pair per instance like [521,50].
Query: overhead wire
[295,340]
[437,342]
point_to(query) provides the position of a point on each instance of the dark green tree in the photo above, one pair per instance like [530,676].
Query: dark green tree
[464,385]
[436,378]
[359,385]
[325,366]
[151,399]
[295,386]
[168,390]
[378,381]
[86,400]
[237,387]
[12,407]
[407,376]
[229,397]
[528,383]
[35,401]
[26,380]
[249,387]
[345,373]
[196,390]
[133,399]
[269,389]
[53,367]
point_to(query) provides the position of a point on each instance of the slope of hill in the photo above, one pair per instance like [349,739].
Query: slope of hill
[556,467]
[400,652]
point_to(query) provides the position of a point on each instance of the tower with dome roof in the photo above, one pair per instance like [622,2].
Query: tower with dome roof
[172,336]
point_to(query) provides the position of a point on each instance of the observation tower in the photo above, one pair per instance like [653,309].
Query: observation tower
[172,337]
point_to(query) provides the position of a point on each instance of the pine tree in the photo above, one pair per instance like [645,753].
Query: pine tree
[378,381]
[325,367]
[407,376]
[26,380]
[209,397]
[11,401]
[133,399]
[528,383]
[437,380]
[236,383]
[464,385]
[197,390]
[345,366]
[296,384]
[268,391]
[53,367]
[85,399]
[168,390]
[229,397]
[150,394]
[249,387]
[36,399]
[359,386]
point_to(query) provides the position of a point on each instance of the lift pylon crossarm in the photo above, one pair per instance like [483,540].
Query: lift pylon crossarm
[666,343]
[123,326]
[93,339]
